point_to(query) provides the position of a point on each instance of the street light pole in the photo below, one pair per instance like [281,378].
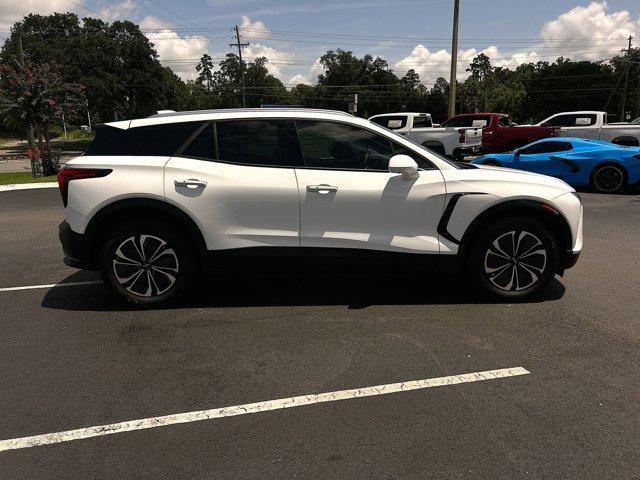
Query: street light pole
[454,59]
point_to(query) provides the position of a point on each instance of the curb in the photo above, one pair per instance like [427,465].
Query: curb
[27,186]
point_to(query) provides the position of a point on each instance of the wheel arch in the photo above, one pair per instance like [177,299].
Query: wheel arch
[537,209]
[131,208]
[626,140]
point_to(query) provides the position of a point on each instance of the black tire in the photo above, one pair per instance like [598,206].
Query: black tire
[526,273]
[439,149]
[161,276]
[609,178]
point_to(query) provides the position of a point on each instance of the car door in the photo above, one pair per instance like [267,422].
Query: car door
[546,158]
[236,180]
[349,199]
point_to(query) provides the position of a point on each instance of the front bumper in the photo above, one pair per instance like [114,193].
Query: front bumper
[570,259]
[77,248]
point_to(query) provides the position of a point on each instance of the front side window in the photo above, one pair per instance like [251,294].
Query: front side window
[573,120]
[342,147]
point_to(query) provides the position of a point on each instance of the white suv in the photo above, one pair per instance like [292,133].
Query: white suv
[154,202]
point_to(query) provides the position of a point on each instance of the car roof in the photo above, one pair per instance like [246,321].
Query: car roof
[577,141]
[411,114]
[232,113]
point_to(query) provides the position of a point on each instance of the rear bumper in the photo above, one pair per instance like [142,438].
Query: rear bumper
[76,248]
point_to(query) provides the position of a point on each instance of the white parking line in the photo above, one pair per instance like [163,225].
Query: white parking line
[27,186]
[49,285]
[197,416]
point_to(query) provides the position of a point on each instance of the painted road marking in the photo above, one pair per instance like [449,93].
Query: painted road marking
[197,416]
[50,285]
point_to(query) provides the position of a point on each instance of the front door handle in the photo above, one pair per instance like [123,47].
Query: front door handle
[322,189]
[190,183]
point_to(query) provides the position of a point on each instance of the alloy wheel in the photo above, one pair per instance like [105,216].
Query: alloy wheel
[608,179]
[515,260]
[145,265]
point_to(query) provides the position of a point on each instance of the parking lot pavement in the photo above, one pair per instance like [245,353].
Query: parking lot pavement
[73,357]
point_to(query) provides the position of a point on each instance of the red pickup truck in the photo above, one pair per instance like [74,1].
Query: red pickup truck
[499,133]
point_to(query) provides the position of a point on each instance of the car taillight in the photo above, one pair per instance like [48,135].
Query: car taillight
[462,135]
[68,174]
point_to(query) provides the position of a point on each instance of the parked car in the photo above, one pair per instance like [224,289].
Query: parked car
[155,201]
[593,125]
[499,133]
[604,166]
[452,142]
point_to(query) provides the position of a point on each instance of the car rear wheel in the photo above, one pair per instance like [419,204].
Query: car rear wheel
[514,259]
[148,263]
[608,179]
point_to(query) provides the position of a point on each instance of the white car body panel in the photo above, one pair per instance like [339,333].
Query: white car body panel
[372,210]
[241,206]
[133,177]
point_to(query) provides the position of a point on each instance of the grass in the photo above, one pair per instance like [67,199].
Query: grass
[9,178]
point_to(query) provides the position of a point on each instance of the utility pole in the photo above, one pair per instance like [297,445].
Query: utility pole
[454,59]
[626,82]
[241,76]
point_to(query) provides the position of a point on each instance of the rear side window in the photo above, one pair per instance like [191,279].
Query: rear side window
[153,140]
[258,142]
[392,122]
[422,122]
[203,145]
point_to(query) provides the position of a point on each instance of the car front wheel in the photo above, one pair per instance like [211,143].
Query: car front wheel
[514,258]
[148,263]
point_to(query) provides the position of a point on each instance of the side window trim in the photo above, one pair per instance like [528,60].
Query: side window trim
[190,140]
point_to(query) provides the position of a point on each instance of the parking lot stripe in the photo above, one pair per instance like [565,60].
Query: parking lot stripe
[49,285]
[197,416]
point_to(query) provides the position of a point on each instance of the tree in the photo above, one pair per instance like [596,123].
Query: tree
[32,96]
[205,71]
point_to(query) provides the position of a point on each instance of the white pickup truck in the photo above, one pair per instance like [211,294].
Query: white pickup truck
[418,127]
[593,125]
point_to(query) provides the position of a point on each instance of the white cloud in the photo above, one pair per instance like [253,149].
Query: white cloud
[277,59]
[249,29]
[117,11]
[299,78]
[590,32]
[13,11]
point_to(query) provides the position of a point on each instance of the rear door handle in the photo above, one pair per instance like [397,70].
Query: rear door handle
[190,183]
[322,189]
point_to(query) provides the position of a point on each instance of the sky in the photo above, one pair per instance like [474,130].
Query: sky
[293,34]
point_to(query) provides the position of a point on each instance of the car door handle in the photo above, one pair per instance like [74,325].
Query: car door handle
[190,183]
[322,189]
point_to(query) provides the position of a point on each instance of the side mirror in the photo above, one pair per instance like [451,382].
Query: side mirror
[405,165]
[516,153]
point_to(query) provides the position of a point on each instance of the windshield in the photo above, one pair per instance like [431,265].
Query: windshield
[422,147]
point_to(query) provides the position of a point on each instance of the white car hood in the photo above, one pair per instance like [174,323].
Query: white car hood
[521,176]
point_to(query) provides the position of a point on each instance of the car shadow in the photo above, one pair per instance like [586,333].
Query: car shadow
[354,290]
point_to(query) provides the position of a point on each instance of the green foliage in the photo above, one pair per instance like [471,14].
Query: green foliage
[10,178]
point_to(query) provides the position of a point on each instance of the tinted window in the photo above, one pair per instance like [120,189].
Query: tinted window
[392,122]
[155,140]
[505,122]
[422,122]
[546,147]
[257,142]
[480,121]
[203,145]
[420,160]
[341,146]
[573,120]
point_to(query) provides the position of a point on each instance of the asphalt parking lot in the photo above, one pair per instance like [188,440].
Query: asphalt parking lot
[73,357]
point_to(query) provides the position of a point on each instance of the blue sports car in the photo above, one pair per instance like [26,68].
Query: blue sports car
[604,166]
